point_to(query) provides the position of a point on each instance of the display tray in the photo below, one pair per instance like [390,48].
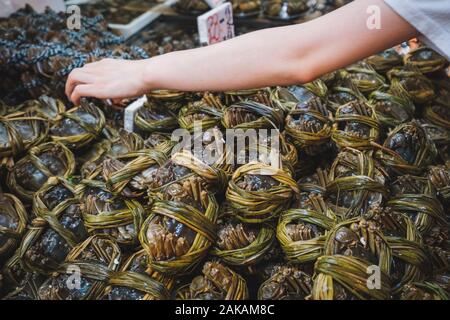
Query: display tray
[137,24]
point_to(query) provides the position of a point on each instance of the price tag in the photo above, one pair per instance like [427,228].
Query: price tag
[6,8]
[214,3]
[130,113]
[40,5]
[216,25]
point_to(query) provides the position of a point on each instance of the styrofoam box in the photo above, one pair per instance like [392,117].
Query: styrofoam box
[127,30]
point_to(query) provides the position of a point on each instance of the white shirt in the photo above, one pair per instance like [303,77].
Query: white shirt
[431,18]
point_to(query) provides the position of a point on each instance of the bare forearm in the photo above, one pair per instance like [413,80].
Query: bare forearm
[257,59]
[279,56]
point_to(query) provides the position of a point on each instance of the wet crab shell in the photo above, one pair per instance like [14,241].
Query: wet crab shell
[302,234]
[95,259]
[192,7]
[121,219]
[177,236]
[267,191]
[13,221]
[79,126]
[243,245]
[21,131]
[41,162]
[287,283]
[50,237]
[410,261]
[139,262]
[183,166]
[365,77]
[416,197]
[356,125]
[343,91]
[284,9]
[312,192]
[166,95]
[58,228]
[391,108]
[356,184]
[438,114]
[439,176]
[251,115]
[48,107]
[310,126]
[423,291]
[425,60]
[130,173]
[246,8]
[128,285]
[160,142]
[205,113]
[338,277]
[154,116]
[118,143]
[385,61]
[418,87]
[217,282]
[438,135]
[407,149]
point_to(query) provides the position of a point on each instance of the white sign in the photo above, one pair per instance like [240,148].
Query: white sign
[214,3]
[130,113]
[6,8]
[216,25]
[40,5]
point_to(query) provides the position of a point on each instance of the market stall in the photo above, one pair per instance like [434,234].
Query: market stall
[362,180]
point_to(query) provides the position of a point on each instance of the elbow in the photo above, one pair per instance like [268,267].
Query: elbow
[301,72]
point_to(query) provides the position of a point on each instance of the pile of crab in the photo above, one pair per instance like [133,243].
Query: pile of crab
[38,51]
[356,207]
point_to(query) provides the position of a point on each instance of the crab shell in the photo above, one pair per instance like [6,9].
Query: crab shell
[13,220]
[41,162]
[94,259]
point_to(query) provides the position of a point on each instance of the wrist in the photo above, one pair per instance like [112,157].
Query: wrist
[147,70]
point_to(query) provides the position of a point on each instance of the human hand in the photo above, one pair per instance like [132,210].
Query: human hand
[107,79]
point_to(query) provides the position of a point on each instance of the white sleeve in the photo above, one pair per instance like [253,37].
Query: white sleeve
[430,17]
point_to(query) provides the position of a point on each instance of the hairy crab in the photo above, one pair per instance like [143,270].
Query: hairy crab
[356,125]
[407,149]
[13,221]
[425,60]
[217,282]
[357,184]
[79,126]
[284,9]
[258,192]
[40,163]
[241,244]
[95,259]
[286,283]
[310,126]
[58,227]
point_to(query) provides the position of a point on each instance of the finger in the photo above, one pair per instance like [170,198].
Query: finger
[82,90]
[76,77]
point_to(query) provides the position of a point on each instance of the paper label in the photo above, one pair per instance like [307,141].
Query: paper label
[216,25]
[6,8]
[130,113]
[40,5]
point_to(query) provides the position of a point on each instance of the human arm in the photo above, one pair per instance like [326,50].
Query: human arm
[277,56]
